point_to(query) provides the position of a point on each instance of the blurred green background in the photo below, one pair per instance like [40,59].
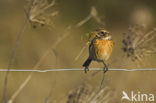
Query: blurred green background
[115,15]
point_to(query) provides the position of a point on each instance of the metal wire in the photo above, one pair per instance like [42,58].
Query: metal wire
[76,69]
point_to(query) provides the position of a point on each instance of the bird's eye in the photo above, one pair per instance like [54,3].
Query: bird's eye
[102,32]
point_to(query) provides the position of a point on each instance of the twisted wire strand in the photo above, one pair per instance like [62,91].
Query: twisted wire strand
[77,69]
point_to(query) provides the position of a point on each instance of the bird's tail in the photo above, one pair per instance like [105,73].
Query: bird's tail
[87,62]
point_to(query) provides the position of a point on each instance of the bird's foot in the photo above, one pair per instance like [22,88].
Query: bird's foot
[86,69]
[105,68]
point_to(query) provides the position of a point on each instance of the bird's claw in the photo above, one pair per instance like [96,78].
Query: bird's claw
[105,69]
[86,69]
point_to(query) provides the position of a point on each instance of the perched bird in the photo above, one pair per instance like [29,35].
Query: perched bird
[100,48]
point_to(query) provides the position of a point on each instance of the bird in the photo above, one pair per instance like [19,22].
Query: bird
[100,48]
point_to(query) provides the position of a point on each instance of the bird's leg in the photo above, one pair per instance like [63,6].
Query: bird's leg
[105,69]
[86,69]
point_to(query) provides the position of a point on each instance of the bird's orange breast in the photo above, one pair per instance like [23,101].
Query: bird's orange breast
[103,49]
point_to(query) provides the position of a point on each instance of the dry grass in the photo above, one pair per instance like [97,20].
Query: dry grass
[87,94]
[38,14]
[62,44]
[137,43]
[35,16]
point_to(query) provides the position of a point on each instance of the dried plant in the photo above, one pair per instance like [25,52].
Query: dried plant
[138,43]
[87,94]
[93,14]
[25,82]
[39,12]
[65,34]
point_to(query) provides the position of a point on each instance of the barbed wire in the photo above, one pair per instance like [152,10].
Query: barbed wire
[76,69]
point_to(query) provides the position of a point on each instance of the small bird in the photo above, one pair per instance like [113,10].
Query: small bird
[100,48]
